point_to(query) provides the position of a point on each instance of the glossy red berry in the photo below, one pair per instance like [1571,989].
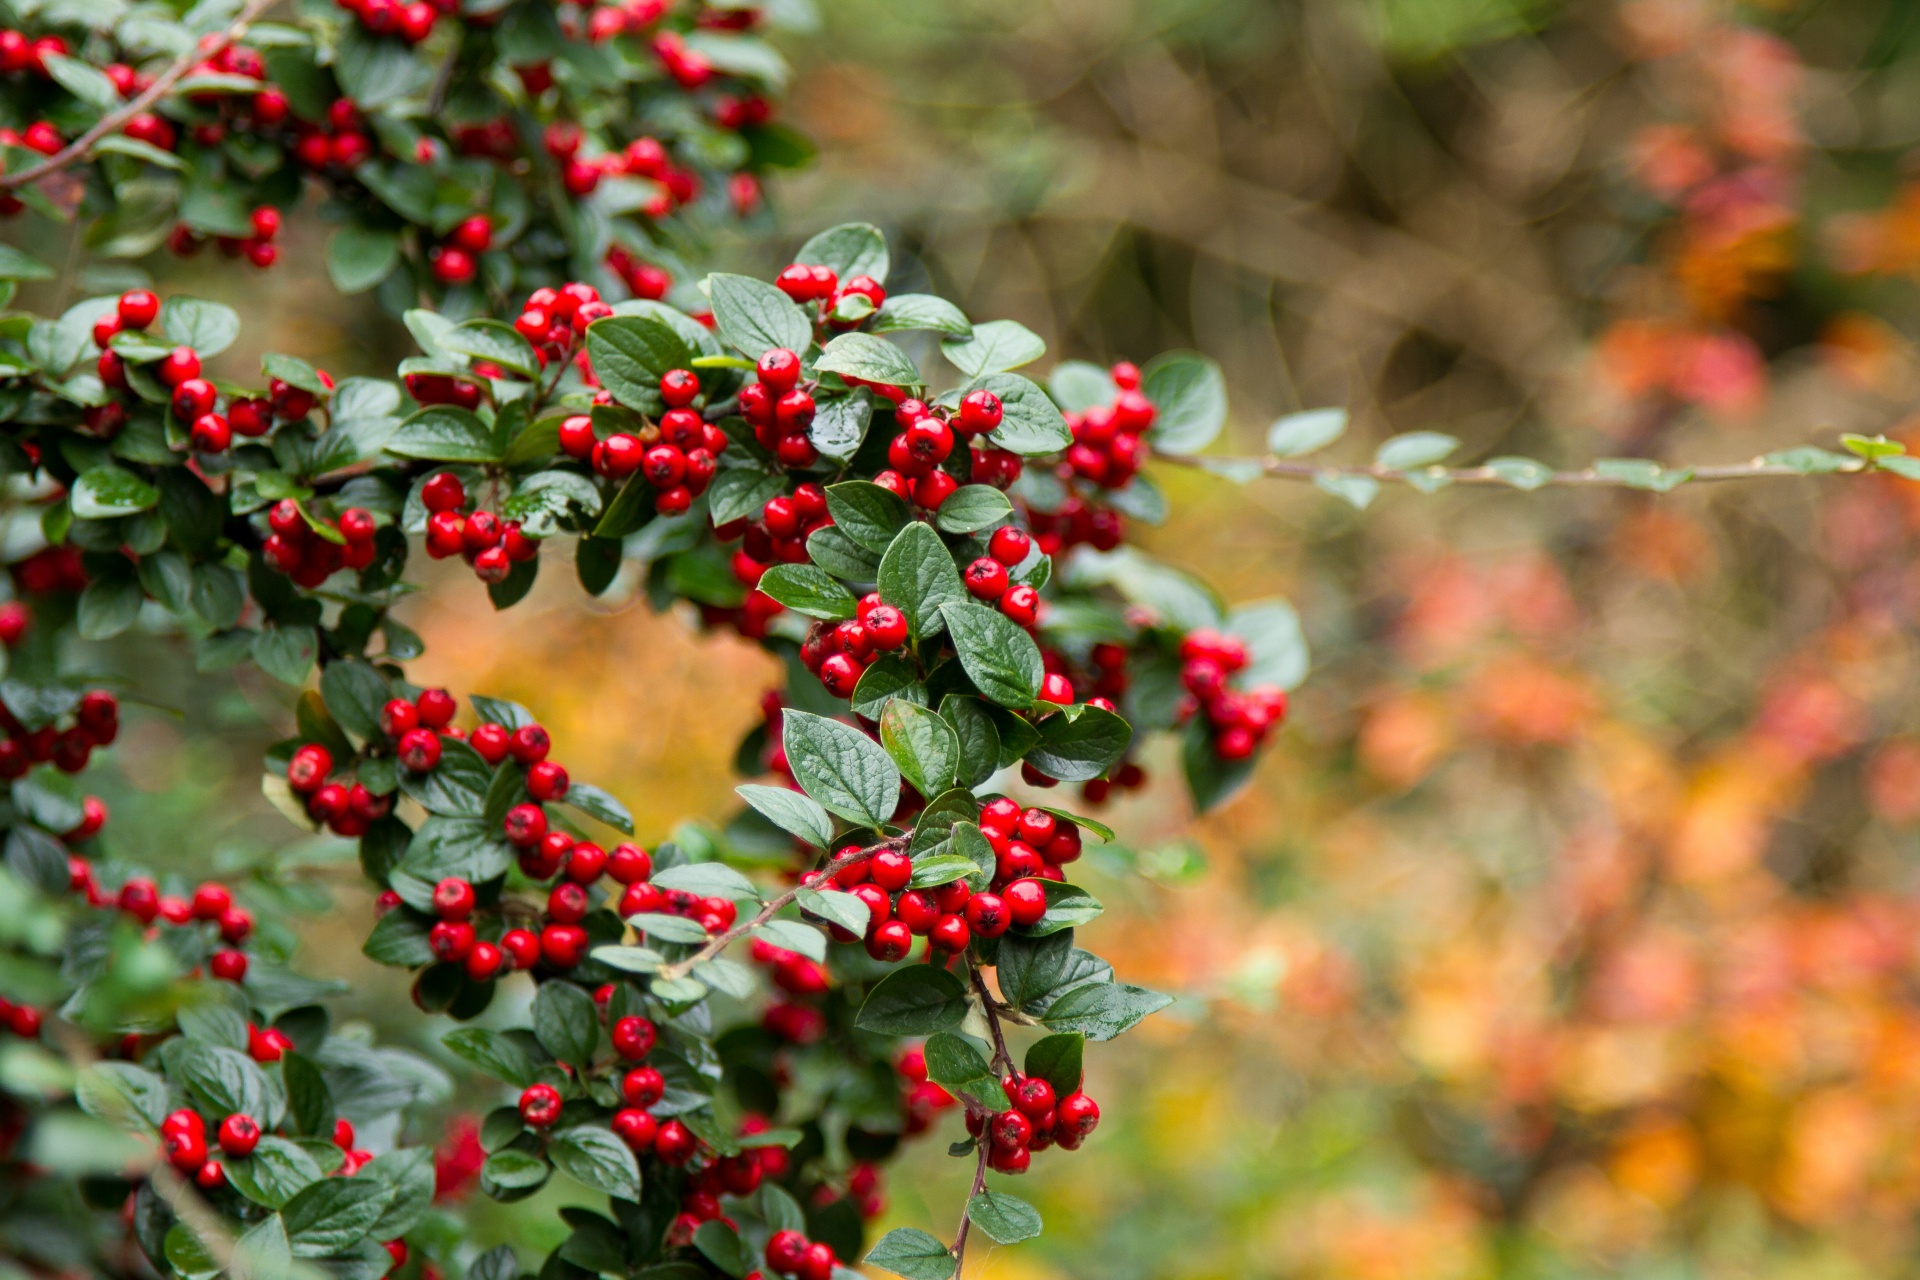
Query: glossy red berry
[629,864]
[786,1250]
[674,1143]
[308,769]
[985,579]
[643,1086]
[980,412]
[632,1037]
[540,1105]
[1010,546]
[890,869]
[419,750]
[443,492]
[779,370]
[950,933]
[522,947]
[530,744]
[453,899]
[988,914]
[1026,900]
[890,941]
[239,1134]
[182,364]
[636,1128]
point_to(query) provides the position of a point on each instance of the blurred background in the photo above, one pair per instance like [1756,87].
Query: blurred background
[1570,928]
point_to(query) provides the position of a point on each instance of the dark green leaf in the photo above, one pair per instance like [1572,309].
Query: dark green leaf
[1101,1011]
[915,1001]
[847,772]
[979,742]
[850,249]
[102,493]
[629,354]
[596,1158]
[755,317]
[791,811]
[994,347]
[494,341]
[809,590]
[973,507]
[360,257]
[275,1173]
[330,1215]
[917,576]
[1190,400]
[1007,1219]
[922,744]
[913,1254]
[1057,1060]
[998,656]
[1031,425]
[832,905]
[1081,748]
[499,1056]
[866,513]
[905,311]
[444,433]
[208,327]
[840,424]
[566,1022]
[870,359]
[1068,906]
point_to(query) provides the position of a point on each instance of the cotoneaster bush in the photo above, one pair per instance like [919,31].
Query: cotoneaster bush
[857,480]
[468,152]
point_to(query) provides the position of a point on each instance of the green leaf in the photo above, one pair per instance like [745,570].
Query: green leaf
[1081,748]
[596,1158]
[795,936]
[1303,433]
[721,1245]
[566,1022]
[870,359]
[1007,1219]
[207,327]
[499,1056]
[82,81]
[1276,645]
[410,1173]
[840,424]
[865,513]
[17,264]
[707,880]
[444,433]
[1809,461]
[600,806]
[1872,448]
[102,493]
[332,1214]
[665,928]
[1414,449]
[1068,907]
[832,905]
[458,785]
[1101,1011]
[850,249]
[994,347]
[1057,1059]
[629,354]
[847,772]
[979,741]
[809,590]
[754,317]
[1031,425]
[512,1171]
[917,576]
[187,1254]
[1645,473]
[914,1001]
[275,1173]
[110,604]
[295,373]
[839,555]
[1356,491]
[911,311]
[922,744]
[791,811]
[1521,473]
[360,257]
[973,507]
[1189,396]
[262,1252]
[955,1065]
[286,653]
[998,656]
[399,938]
[494,341]
[913,1254]
[354,694]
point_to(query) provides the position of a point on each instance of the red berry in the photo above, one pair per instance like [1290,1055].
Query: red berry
[636,1128]
[307,771]
[540,1105]
[522,947]
[890,869]
[1010,546]
[890,941]
[182,364]
[779,370]
[980,412]
[239,1135]
[674,1143]
[632,1037]
[950,933]
[643,1086]
[443,492]
[419,750]
[453,899]
[986,579]
[1026,900]
[139,308]
[563,945]
[228,965]
[525,825]
[988,914]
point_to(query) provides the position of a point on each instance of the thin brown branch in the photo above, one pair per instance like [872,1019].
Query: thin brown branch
[680,968]
[1435,477]
[163,83]
[1001,1058]
[966,1221]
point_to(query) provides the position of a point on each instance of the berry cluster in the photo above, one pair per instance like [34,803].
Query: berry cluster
[96,722]
[1033,1121]
[344,807]
[989,579]
[780,409]
[488,543]
[412,22]
[310,549]
[456,260]
[675,456]
[839,653]
[555,321]
[1237,721]
[189,1148]
[192,399]
[917,455]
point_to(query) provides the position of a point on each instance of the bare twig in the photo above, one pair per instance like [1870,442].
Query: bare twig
[1001,1057]
[200,51]
[966,1221]
[1431,477]
[680,968]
